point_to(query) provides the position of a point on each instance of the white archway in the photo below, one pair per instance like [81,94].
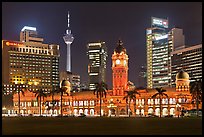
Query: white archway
[150,111]
[75,111]
[157,111]
[81,111]
[92,112]
[165,112]
[86,111]
[55,111]
[172,111]
[29,112]
[137,111]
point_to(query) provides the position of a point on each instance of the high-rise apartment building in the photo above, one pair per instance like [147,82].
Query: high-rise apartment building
[97,55]
[158,54]
[29,63]
[190,60]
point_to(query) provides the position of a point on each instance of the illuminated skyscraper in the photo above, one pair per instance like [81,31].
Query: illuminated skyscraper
[29,63]
[97,54]
[158,54]
[190,60]
[68,39]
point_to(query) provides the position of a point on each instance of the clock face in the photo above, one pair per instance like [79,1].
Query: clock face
[117,61]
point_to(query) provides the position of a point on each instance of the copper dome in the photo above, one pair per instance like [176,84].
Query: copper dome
[182,75]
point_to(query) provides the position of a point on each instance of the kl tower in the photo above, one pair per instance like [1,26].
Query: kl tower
[68,39]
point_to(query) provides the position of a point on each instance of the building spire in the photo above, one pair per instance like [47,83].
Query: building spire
[68,19]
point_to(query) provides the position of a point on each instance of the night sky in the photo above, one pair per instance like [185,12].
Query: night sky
[105,21]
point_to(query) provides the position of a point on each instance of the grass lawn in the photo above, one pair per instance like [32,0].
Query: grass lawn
[100,126]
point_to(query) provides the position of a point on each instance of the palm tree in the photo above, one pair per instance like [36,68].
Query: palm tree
[39,94]
[52,93]
[196,92]
[62,90]
[160,93]
[100,91]
[19,90]
[131,95]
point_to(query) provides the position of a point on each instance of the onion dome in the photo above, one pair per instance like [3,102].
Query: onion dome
[120,47]
[182,75]
[65,83]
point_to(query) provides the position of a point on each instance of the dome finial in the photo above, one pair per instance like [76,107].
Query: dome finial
[120,47]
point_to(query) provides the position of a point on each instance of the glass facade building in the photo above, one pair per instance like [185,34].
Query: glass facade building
[158,54]
[190,60]
[97,55]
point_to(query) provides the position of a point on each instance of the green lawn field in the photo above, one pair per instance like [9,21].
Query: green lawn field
[100,126]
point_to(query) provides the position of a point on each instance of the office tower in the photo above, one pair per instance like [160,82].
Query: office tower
[97,55]
[142,80]
[190,60]
[120,70]
[68,39]
[158,54]
[176,38]
[29,63]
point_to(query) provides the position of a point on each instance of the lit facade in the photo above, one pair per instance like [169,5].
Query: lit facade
[29,63]
[120,70]
[114,104]
[97,55]
[189,59]
[158,54]
[179,98]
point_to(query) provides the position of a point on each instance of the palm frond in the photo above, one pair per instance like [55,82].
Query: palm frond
[155,95]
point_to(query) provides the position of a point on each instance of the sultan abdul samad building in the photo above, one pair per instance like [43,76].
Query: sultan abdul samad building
[114,103]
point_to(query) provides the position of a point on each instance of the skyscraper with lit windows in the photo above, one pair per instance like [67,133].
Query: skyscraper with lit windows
[29,62]
[158,54]
[97,55]
[190,60]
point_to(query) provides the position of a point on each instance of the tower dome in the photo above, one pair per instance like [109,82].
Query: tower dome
[182,75]
[120,47]
[65,83]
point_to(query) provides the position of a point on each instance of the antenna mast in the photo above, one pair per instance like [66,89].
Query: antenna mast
[68,19]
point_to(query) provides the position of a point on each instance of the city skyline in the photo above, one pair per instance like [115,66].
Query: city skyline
[95,21]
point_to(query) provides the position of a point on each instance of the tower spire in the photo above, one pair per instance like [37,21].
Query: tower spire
[68,19]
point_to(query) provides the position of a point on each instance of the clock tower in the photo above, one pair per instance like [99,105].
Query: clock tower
[120,70]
